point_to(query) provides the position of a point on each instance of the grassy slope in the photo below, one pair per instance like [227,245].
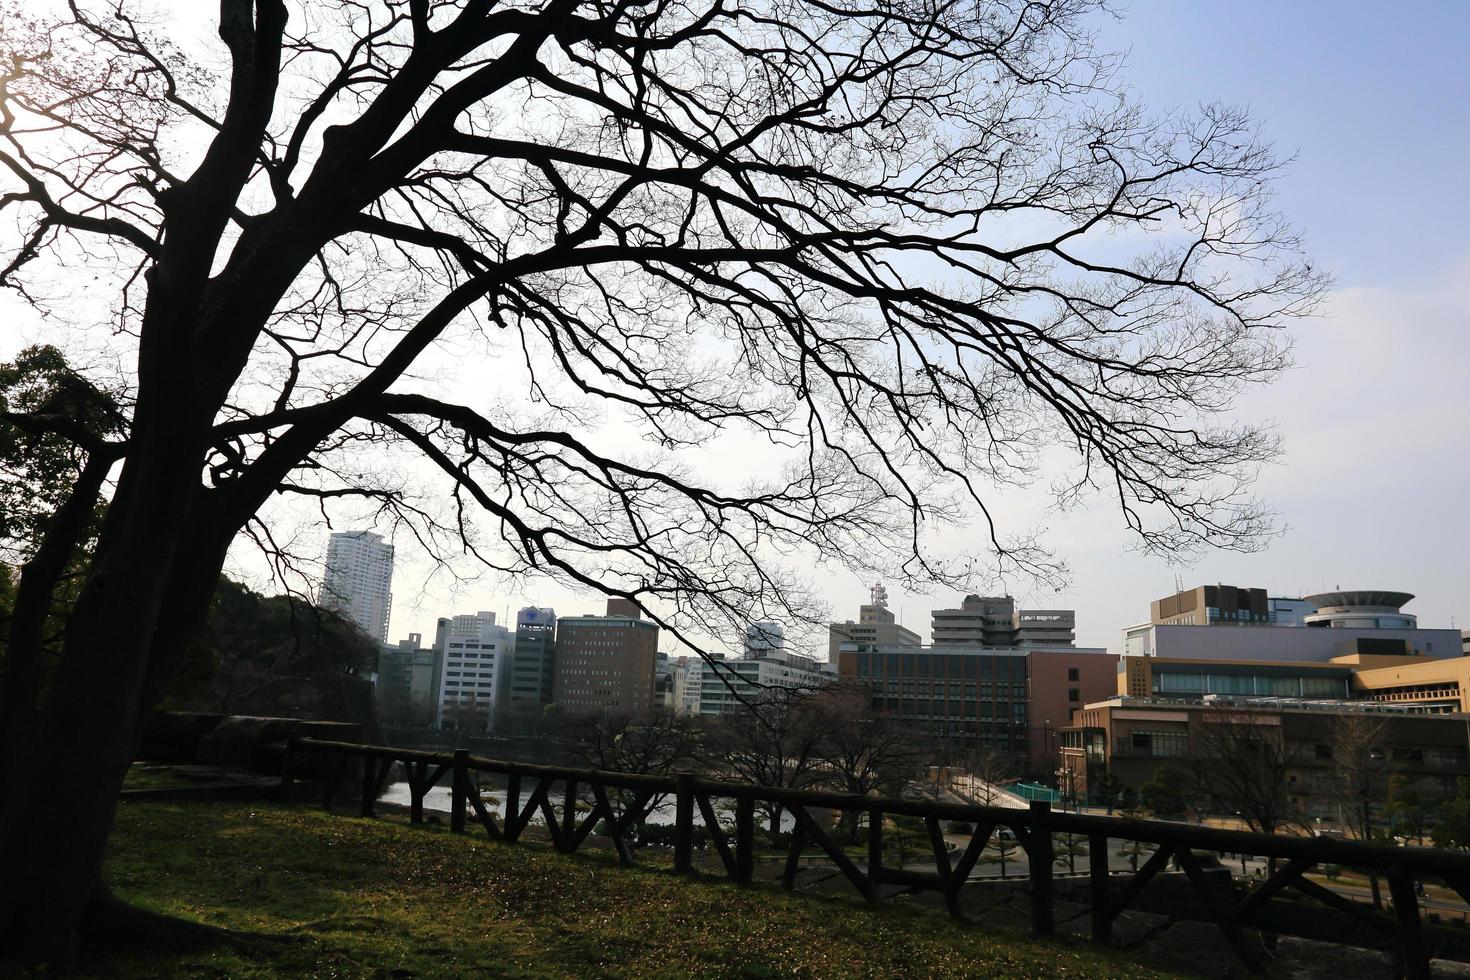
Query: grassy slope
[377,898]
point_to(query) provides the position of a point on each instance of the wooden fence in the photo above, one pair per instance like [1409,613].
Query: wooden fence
[554,793]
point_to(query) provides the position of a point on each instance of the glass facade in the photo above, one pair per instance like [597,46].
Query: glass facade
[1170,681]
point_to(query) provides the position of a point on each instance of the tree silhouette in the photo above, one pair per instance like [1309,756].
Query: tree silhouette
[1240,766]
[908,248]
[863,751]
[1360,759]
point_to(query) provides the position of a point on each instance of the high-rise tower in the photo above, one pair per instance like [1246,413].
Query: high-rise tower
[359,580]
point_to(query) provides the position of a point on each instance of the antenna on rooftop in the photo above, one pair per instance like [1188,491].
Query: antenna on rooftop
[879,595]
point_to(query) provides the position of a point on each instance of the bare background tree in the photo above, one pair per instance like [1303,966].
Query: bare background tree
[658,743]
[1240,767]
[1361,759]
[774,740]
[900,248]
[991,769]
[863,751]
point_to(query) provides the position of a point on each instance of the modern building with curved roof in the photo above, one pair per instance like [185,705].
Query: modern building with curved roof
[1361,609]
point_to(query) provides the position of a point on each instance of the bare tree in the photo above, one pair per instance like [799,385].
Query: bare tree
[1360,758]
[863,751]
[1240,767]
[774,740]
[907,247]
[991,769]
[658,743]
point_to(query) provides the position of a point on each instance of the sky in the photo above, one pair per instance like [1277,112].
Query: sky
[1374,478]
[1374,482]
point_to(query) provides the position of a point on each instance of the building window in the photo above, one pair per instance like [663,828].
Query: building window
[1074,674]
[1158,745]
[1074,694]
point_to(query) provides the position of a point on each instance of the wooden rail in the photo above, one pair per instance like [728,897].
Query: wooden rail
[1034,829]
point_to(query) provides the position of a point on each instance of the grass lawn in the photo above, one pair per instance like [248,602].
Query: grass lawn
[151,777]
[377,898]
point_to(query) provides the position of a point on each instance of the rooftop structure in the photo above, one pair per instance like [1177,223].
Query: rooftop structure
[1212,605]
[994,621]
[764,639]
[1361,609]
[875,627]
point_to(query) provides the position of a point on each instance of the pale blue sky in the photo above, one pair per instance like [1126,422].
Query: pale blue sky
[1375,99]
[1375,481]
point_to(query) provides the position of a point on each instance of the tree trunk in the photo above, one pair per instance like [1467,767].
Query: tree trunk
[67,773]
[21,675]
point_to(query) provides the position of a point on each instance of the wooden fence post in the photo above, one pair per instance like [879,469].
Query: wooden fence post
[1097,861]
[288,760]
[875,845]
[417,773]
[1041,856]
[369,786]
[328,771]
[744,838]
[459,790]
[684,822]
[513,825]
[569,818]
[1415,958]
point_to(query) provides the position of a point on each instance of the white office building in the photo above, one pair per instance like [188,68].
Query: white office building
[476,655]
[764,640]
[688,700]
[359,580]
[728,685]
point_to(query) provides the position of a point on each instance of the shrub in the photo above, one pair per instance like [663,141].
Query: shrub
[662,835]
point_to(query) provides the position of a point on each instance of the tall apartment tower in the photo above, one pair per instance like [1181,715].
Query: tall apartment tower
[605,664]
[359,580]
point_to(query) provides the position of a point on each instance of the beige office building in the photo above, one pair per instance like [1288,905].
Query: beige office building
[875,627]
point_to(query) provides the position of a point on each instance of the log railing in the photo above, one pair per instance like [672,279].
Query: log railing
[553,793]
